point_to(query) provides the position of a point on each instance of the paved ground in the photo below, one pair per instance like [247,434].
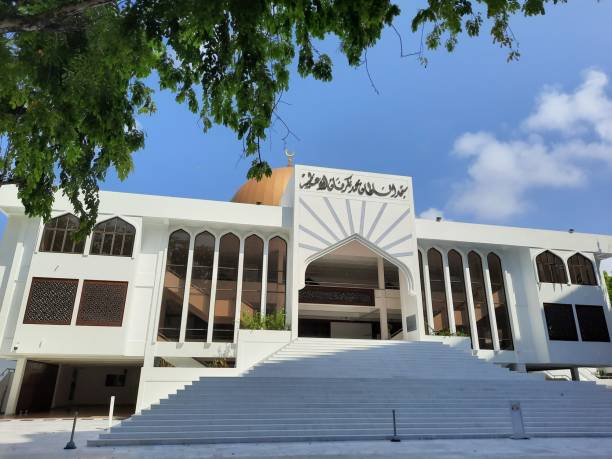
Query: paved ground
[45,438]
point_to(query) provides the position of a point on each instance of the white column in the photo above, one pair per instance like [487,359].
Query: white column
[13,395]
[239,290]
[384,324]
[264,277]
[470,302]
[490,305]
[381,273]
[381,299]
[213,291]
[155,308]
[427,283]
[512,306]
[449,293]
[187,290]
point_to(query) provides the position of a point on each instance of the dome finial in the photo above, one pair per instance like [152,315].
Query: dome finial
[289,155]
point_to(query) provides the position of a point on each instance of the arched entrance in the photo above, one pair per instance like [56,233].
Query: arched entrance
[351,292]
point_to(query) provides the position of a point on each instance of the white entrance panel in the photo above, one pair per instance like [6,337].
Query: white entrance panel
[354,330]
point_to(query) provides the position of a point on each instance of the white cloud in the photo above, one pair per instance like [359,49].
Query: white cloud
[431,214]
[606,265]
[501,173]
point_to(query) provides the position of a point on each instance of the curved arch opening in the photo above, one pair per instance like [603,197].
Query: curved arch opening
[351,292]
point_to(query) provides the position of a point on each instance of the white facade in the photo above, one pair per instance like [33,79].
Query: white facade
[324,212]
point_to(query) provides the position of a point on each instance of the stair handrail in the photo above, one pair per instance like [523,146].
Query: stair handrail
[6,371]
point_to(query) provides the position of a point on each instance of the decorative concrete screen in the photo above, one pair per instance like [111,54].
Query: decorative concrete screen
[51,301]
[102,303]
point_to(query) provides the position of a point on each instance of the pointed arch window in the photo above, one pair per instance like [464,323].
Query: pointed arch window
[58,235]
[113,237]
[423,297]
[174,287]
[200,287]
[551,268]
[481,306]
[500,303]
[438,291]
[581,270]
[252,275]
[457,282]
[277,276]
[227,283]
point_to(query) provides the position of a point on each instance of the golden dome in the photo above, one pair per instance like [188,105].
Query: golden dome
[268,191]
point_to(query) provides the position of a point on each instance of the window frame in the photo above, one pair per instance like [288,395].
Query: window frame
[551,269]
[114,236]
[585,268]
[39,246]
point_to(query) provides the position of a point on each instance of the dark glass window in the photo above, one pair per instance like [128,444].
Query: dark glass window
[391,275]
[113,237]
[592,323]
[58,235]
[423,296]
[277,276]
[560,322]
[227,283]
[174,287]
[457,281]
[481,305]
[500,303]
[438,290]
[551,268]
[581,270]
[199,290]
[252,272]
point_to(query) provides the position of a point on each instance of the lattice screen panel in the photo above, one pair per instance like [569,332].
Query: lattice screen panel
[51,301]
[102,303]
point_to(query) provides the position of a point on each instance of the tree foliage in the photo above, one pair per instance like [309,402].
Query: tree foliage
[74,74]
[608,280]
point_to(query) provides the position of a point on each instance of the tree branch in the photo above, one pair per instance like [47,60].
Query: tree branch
[53,19]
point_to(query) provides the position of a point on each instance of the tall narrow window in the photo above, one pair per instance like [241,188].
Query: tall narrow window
[58,235]
[438,291]
[581,270]
[551,268]
[423,297]
[199,290]
[251,276]
[113,237]
[227,284]
[174,287]
[502,315]
[479,295]
[277,269]
[457,281]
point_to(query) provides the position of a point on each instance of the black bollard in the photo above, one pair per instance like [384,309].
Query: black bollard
[395,438]
[70,444]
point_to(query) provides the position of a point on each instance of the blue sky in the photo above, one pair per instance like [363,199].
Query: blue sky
[413,125]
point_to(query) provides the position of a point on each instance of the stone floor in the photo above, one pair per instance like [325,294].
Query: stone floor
[45,438]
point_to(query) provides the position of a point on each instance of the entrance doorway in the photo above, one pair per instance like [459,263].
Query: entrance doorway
[352,293]
[37,387]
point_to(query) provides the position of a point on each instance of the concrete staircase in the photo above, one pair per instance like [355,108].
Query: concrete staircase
[326,389]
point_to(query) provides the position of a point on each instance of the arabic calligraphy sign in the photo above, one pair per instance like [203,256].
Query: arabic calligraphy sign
[349,185]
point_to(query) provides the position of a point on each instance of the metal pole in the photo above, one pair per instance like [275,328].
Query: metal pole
[110,412]
[70,444]
[394,438]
